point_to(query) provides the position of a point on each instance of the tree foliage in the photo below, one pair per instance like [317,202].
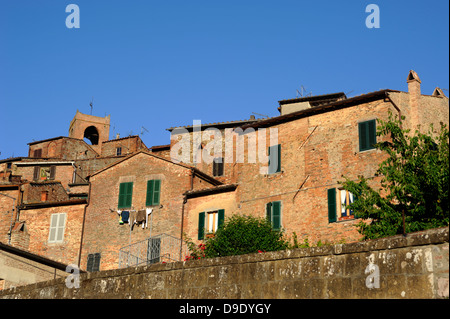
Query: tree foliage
[414,180]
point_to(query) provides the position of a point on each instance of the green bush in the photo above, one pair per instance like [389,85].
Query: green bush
[244,235]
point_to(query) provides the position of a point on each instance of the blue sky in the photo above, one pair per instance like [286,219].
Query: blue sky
[158,64]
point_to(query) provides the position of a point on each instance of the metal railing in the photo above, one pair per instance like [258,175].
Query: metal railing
[156,249]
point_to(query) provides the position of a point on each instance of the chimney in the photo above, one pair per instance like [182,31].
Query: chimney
[413,81]
[117,136]
[438,92]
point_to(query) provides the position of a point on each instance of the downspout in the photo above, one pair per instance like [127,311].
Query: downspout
[82,228]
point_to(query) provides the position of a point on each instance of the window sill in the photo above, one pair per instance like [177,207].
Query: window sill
[345,219]
[366,151]
[273,175]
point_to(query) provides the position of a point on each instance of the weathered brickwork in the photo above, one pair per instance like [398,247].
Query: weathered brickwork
[61,148]
[103,233]
[37,228]
[43,192]
[122,146]
[8,211]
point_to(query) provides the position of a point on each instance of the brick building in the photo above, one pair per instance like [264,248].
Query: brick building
[67,200]
[140,181]
[320,140]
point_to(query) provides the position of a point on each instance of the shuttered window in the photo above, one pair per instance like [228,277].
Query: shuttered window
[273,214]
[367,135]
[93,262]
[52,172]
[338,199]
[331,194]
[221,221]
[218,166]
[275,159]
[153,192]
[57,227]
[201,226]
[125,195]
[36,173]
[210,222]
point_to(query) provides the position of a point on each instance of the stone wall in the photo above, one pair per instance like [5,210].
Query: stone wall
[415,266]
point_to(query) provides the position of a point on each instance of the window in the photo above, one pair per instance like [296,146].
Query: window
[153,192]
[44,196]
[274,159]
[125,195]
[367,135]
[57,226]
[273,214]
[43,173]
[118,151]
[337,207]
[37,153]
[210,222]
[93,262]
[218,166]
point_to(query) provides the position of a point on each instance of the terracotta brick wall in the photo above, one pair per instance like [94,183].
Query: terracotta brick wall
[6,211]
[104,234]
[37,223]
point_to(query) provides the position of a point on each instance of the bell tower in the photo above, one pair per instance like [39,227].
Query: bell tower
[94,129]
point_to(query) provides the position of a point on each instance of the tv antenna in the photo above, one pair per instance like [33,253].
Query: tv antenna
[301,94]
[142,130]
[92,104]
[263,115]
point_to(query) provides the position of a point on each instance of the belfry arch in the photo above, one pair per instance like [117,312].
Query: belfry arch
[92,129]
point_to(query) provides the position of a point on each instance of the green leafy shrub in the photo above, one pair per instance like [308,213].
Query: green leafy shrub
[244,235]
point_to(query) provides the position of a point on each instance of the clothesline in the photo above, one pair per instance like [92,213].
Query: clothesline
[134,217]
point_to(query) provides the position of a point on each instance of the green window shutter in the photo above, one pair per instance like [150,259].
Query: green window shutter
[156,191]
[362,136]
[201,225]
[221,218]
[276,215]
[150,187]
[274,159]
[269,212]
[90,262]
[125,195]
[93,262]
[153,192]
[279,158]
[367,135]
[121,195]
[96,262]
[372,133]
[129,196]
[332,205]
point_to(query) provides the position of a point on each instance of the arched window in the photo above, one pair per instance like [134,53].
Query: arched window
[91,134]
